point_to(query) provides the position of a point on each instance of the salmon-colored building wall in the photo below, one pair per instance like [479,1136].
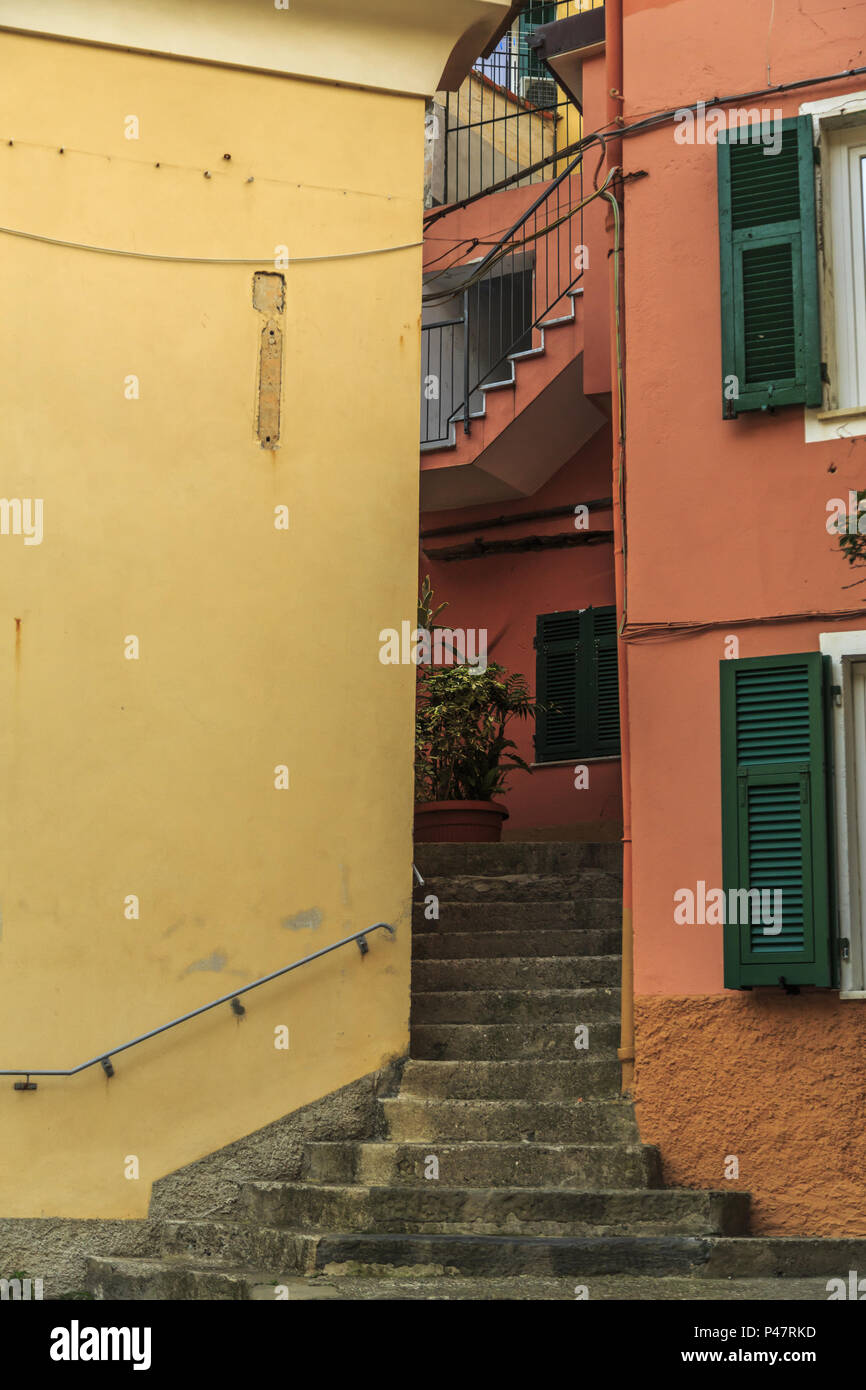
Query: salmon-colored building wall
[504,593]
[726,536]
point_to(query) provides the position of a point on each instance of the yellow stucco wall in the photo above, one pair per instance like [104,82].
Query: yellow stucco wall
[258,647]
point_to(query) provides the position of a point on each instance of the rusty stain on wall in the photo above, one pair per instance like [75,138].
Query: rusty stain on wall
[269,299]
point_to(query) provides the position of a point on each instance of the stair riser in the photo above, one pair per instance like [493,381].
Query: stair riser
[445,1042]
[235,1244]
[430,1209]
[564,972]
[488,1006]
[422,1122]
[574,914]
[511,1080]
[483,1165]
[768,1257]
[169,1284]
[372,1255]
[553,857]
[588,883]
[502,945]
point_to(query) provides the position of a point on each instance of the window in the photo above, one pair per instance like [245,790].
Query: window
[499,312]
[529,66]
[775,821]
[771,344]
[846,186]
[577,682]
[846,652]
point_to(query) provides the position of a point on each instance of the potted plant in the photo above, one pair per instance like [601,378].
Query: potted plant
[463,755]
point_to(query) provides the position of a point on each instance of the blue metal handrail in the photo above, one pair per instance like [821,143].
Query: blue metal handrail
[104,1058]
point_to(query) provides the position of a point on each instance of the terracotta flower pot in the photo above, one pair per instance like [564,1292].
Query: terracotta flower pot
[458,822]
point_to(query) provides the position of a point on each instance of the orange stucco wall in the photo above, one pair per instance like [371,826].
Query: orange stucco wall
[726,536]
[775,1081]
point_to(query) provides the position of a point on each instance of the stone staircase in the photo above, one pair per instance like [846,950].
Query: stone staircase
[507,1165]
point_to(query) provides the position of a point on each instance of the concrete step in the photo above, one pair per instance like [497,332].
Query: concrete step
[135,1280]
[431,1208]
[518,857]
[589,1076]
[411,1120]
[380,1163]
[515,972]
[369,1254]
[584,883]
[501,1041]
[534,944]
[633,1266]
[532,1006]
[575,914]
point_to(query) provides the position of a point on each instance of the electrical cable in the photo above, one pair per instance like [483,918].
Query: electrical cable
[205,260]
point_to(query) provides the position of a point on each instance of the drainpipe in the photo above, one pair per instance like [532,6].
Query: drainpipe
[614,118]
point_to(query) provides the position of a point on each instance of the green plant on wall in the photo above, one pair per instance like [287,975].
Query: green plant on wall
[853,546]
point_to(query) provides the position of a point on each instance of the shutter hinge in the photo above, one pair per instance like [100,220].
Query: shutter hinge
[535,643]
[816,153]
[825,374]
[836,693]
[845,948]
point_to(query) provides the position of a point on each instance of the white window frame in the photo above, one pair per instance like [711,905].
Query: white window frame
[844,650]
[839,127]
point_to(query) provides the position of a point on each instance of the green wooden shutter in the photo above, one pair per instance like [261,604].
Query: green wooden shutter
[604,693]
[557,643]
[771,341]
[576,677]
[775,818]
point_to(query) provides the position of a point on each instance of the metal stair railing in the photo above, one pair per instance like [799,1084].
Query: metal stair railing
[233,998]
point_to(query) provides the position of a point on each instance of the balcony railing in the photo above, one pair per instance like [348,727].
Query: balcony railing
[506,117]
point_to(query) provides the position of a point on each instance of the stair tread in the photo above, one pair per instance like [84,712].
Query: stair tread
[524,1145]
[514,960]
[658,1194]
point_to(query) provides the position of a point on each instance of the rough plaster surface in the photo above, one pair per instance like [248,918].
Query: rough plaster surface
[211,1186]
[779,1081]
[55,1250]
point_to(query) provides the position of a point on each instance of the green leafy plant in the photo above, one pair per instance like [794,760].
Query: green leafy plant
[462,748]
[854,546]
[427,614]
